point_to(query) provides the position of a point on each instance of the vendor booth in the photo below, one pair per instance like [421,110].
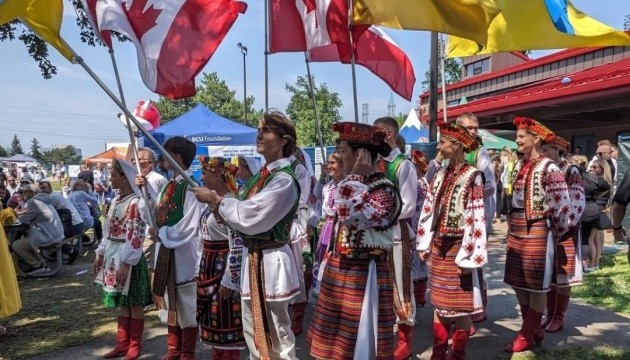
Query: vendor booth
[213,134]
[107,157]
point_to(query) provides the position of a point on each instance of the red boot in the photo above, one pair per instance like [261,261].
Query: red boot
[122,339]
[440,340]
[232,355]
[218,354]
[526,336]
[136,329]
[562,302]
[419,292]
[173,343]
[297,317]
[459,344]
[405,342]
[190,336]
[551,304]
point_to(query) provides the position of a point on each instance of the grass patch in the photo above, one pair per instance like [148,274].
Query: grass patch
[596,353]
[608,287]
[58,313]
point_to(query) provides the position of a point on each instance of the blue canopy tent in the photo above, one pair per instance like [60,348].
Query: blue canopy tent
[205,128]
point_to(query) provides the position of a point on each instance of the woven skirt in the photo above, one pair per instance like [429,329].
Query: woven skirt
[322,245]
[220,320]
[452,294]
[529,261]
[335,326]
[568,271]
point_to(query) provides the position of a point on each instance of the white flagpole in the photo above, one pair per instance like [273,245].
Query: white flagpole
[442,62]
[266,55]
[314,100]
[132,141]
[353,64]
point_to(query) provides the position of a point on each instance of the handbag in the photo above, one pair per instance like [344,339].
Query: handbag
[95,211]
[603,222]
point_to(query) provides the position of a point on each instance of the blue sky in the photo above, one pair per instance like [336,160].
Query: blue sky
[71,109]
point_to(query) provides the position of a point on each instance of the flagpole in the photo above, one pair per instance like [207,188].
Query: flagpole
[433,85]
[266,55]
[134,147]
[314,100]
[443,73]
[167,156]
[353,64]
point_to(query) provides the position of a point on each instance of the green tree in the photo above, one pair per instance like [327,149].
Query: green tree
[3,152]
[35,153]
[67,154]
[452,71]
[217,96]
[300,110]
[400,119]
[626,23]
[16,146]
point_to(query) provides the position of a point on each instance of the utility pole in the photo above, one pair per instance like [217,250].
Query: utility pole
[244,52]
[391,106]
[365,113]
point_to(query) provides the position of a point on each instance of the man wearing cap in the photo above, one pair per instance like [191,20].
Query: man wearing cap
[45,227]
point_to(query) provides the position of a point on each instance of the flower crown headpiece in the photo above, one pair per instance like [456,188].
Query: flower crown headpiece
[459,134]
[224,167]
[420,159]
[560,143]
[534,127]
[361,133]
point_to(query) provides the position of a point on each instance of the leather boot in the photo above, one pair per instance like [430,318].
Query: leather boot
[539,334]
[440,340]
[562,302]
[190,336]
[551,304]
[530,329]
[136,329]
[459,344]
[218,354]
[122,339]
[232,355]
[419,292]
[173,343]
[297,318]
[405,341]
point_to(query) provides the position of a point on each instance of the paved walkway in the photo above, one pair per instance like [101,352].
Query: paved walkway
[586,326]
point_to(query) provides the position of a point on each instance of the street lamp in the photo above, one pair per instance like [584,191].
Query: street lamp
[244,52]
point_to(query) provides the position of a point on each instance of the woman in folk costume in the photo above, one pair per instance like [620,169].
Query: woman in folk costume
[539,216]
[120,267]
[568,264]
[327,195]
[419,269]
[260,218]
[218,297]
[452,233]
[354,315]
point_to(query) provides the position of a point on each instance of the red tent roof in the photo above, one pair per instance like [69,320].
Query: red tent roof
[602,80]
[107,156]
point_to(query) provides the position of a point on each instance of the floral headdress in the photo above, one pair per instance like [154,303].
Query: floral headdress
[459,134]
[420,159]
[224,167]
[361,133]
[560,143]
[534,127]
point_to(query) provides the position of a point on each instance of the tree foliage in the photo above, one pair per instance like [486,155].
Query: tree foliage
[626,23]
[3,152]
[15,147]
[300,111]
[66,154]
[217,96]
[35,153]
[452,70]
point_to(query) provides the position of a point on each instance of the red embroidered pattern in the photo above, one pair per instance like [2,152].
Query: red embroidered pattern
[166,204]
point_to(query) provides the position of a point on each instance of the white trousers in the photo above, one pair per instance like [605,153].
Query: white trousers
[282,338]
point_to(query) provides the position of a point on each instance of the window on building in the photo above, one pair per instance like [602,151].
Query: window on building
[453,103]
[478,67]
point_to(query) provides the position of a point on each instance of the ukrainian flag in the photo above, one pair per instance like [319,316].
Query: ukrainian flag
[537,25]
[43,17]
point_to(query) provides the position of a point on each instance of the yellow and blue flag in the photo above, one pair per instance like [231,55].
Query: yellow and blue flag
[538,25]
[43,17]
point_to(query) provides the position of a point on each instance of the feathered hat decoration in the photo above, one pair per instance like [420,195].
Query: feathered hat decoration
[224,167]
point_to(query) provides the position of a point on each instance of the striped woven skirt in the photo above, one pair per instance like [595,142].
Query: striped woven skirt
[335,331]
[322,245]
[220,320]
[452,294]
[529,260]
[568,271]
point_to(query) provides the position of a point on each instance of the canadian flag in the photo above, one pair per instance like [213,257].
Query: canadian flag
[324,34]
[174,39]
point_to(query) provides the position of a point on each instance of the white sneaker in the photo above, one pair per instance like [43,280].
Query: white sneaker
[589,269]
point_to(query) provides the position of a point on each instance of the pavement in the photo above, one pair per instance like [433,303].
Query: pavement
[585,326]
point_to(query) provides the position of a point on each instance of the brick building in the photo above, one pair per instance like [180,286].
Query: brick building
[581,94]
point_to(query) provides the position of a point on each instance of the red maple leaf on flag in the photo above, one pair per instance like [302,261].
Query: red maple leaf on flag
[141,20]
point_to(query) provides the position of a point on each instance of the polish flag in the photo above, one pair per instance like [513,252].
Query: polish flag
[326,38]
[174,39]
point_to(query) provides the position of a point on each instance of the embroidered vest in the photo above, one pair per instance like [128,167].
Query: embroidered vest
[471,157]
[452,191]
[171,203]
[116,218]
[536,207]
[390,168]
[279,232]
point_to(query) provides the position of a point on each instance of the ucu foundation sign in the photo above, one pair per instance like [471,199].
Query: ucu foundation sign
[207,139]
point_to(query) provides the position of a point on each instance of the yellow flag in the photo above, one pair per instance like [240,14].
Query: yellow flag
[43,17]
[527,25]
[465,18]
